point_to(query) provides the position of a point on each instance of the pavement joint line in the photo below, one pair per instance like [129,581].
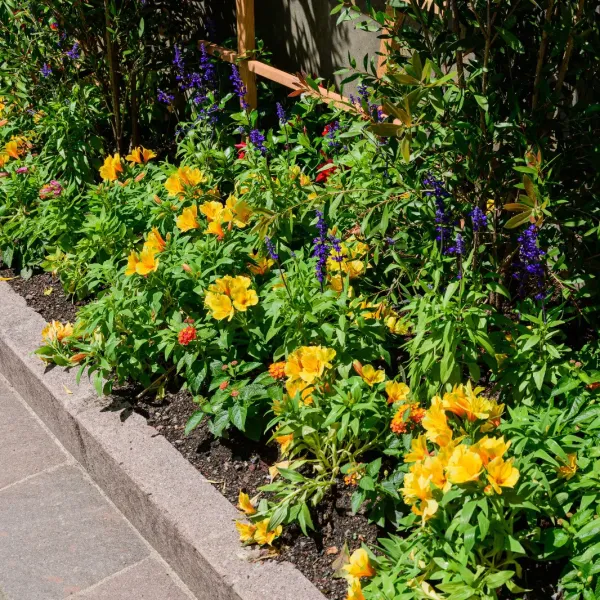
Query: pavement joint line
[71,461]
[66,463]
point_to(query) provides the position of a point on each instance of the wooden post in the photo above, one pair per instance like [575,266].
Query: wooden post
[246,44]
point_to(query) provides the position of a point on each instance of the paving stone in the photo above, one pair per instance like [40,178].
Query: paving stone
[60,536]
[25,448]
[148,580]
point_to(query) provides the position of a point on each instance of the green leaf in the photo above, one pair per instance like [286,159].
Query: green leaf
[589,532]
[495,580]
[194,421]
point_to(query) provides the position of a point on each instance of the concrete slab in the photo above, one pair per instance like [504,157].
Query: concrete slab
[25,448]
[147,580]
[60,536]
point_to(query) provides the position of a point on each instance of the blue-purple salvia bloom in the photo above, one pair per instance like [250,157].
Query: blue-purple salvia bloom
[74,53]
[529,269]
[331,131]
[281,113]
[323,245]
[238,86]
[258,141]
[459,246]
[46,71]
[442,218]
[271,248]
[165,98]
[373,109]
[479,219]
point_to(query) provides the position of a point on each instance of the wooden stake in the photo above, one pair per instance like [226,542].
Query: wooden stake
[246,46]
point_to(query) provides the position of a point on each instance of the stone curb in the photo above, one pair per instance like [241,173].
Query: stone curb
[172,505]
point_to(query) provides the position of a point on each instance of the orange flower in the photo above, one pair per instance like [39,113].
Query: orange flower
[262,266]
[155,241]
[220,306]
[143,264]
[140,155]
[245,505]
[262,535]
[277,370]
[396,391]
[56,331]
[215,228]
[13,149]
[359,565]
[501,474]
[246,531]
[111,168]
[212,210]
[285,442]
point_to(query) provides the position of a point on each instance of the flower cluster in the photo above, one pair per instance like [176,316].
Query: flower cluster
[187,335]
[111,168]
[258,141]
[455,462]
[280,113]
[238,86]
[373,109]
[74,53]
[146,262]
[330,133]
[183,179]
[235,212]
[54,188]
[56,331]
[271,248]
[255,533]
[529,269]
[260,264]
[357,566]
[442,217]
[140,155]
[46,70]
[345,258]
[370,375]
[479,219]
[304,367]
[228,295]
[323,245]
[165,97]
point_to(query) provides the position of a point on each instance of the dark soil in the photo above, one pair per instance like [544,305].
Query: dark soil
[43,292]
[237,463]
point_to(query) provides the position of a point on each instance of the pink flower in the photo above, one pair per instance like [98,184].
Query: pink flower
[22,170]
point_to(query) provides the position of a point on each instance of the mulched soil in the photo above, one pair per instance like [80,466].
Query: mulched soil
[237,463]
[43,292]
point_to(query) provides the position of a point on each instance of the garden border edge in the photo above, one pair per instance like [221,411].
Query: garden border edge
[171,504]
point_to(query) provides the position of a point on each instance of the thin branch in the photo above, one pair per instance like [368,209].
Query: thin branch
[542,55]
[568,50]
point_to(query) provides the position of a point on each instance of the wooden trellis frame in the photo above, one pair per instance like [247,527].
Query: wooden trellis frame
[250,68]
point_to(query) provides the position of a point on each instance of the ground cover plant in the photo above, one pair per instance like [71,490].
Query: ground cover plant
[401,297]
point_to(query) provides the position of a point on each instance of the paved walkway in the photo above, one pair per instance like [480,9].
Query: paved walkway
[60,537]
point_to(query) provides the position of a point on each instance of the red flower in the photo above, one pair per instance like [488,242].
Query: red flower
[326,130]
[241,152]
[223,385]
[54,26]
[323,176]
[187,335]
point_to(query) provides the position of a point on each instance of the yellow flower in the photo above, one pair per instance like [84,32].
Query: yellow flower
[111,168]
[355,591]
[263,536]
[304,180]
[132,261]
[285,442]
[191,177]
[262,264]
[418,494]
[140,155]
[501,474]
[569,469]
[418,450]
[494,417]
[4,158]
[245,505]
[56,331]
[246,531]
[309,362]
[155,241]
[13,149]
[188,219]
[396,325]
[239,210]
[396,391]
[436,424]
[215,228]
[226,285]
[297,386]
[220,306]
[353,268]
[490,448]
[371,376]
[434,467]
[243,298]
[464,465]
[464,401]
[182,178]
[359,565]
[212,210]
[148,262]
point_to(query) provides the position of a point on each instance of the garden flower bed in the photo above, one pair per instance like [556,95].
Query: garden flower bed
[373,322]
